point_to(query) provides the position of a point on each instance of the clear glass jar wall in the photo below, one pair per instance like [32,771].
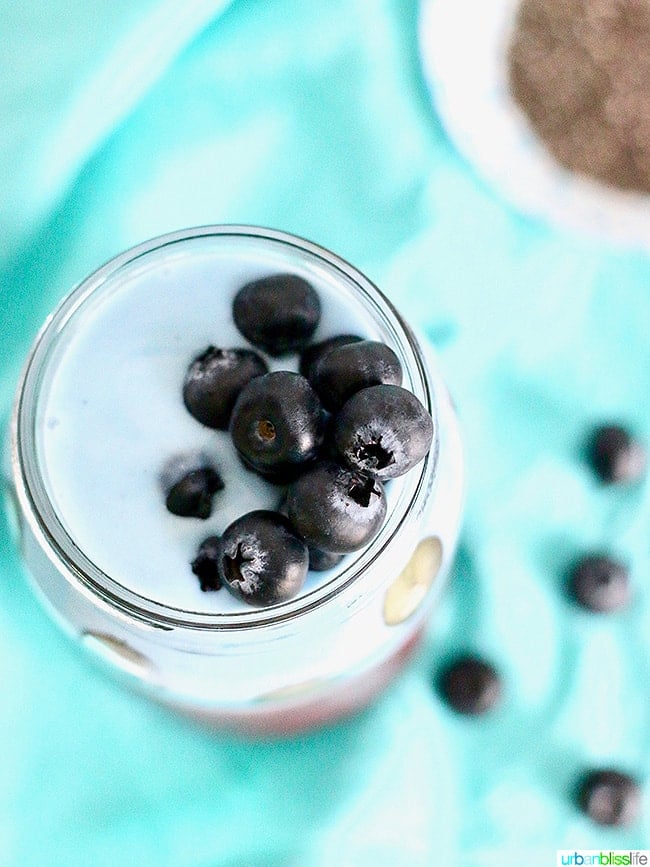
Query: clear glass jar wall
[292,666]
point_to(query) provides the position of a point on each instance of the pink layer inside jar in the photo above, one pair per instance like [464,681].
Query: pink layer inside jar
[327,706]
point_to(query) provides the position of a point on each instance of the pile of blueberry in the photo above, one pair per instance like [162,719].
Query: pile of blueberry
[331,436]
[598,583]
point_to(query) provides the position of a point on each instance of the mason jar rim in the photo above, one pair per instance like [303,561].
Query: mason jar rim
[106,591]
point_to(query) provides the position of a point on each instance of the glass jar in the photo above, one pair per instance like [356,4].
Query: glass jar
[292,666]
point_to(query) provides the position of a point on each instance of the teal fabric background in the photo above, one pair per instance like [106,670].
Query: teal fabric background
[123,120]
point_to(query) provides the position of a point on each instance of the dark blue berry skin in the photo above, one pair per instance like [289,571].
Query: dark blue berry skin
[261,559]
[313,353]
[206,564]
[470,685]
[383,430]
[278,314]
[600,584]
[347,369]
[191,496]
[610,797]
[321,561]
[336,509]
[214,380]
[277,424]
[616,456]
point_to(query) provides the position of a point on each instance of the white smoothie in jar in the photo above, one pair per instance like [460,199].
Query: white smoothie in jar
[112,415]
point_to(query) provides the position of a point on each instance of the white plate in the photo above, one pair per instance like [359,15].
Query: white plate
[463,45]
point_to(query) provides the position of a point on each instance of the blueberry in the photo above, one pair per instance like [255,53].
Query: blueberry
[470,685]
[346,369]
[599,583]
[189,486]
[261,559]
[383,430]
[321,561]
[610,797]
[278,314]
[312,354]
[336,509]
[616,456]
[215,378]
[206,564]
[277,424]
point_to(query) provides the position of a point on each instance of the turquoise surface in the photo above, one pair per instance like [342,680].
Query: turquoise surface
[123,120]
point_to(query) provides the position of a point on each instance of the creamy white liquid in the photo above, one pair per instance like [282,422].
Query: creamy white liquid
[112,413]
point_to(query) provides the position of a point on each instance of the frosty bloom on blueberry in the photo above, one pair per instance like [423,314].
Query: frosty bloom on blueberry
[383,430]
[261,559]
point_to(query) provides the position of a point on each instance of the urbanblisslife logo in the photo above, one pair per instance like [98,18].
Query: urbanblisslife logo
[612,858]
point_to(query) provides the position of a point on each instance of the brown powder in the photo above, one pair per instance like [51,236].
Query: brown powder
[580,70]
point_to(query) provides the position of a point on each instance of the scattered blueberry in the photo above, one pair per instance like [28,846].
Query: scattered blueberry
[346,369]
[261,559]
[277,424]
[470,685]
[335,508]
[215,378]
[191,496]
[599,583]
[313,353]
[616,456]
[383,430]
[321,561]
[206,564]
[610,797]
[278,314]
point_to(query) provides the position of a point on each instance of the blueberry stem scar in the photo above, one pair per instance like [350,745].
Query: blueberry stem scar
[266,430]
[373,455]
[361,490]
[232,565]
